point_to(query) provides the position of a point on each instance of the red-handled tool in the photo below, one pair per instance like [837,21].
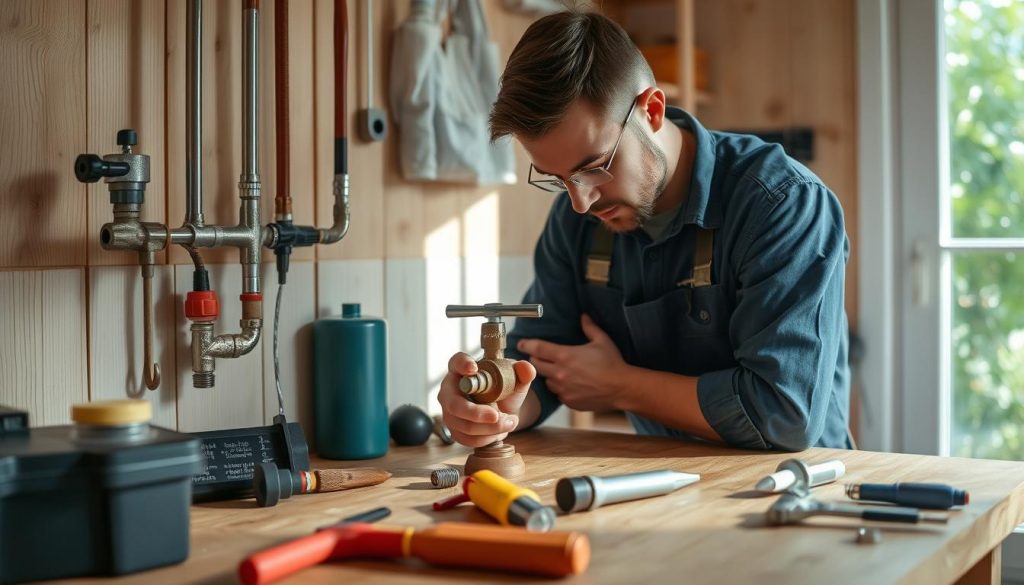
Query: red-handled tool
[554,554]
[279,561]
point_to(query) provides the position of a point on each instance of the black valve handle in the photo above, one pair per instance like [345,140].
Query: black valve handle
[127,137]
[90,168]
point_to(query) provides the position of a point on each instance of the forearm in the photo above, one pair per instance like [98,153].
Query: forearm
[670,399]
[529,411]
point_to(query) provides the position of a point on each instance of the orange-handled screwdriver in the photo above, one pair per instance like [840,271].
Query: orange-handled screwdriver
[555,554]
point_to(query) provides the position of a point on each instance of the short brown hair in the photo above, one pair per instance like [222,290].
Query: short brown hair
[561,58]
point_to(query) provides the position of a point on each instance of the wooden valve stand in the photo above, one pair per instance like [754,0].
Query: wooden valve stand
[495,380]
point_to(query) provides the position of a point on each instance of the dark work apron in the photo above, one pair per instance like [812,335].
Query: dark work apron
[685,331]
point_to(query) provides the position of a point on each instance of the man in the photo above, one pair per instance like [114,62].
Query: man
[692,279]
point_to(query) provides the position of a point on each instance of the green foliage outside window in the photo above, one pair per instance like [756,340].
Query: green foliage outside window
[984,64]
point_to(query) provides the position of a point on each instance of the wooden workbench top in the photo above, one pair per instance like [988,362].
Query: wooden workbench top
[709,532]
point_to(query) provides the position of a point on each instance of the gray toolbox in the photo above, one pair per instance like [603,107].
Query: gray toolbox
[91,499]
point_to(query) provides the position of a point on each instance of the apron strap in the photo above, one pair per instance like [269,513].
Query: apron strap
[599,260]
[701,275]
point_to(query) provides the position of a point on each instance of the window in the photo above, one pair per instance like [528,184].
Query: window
[982,231]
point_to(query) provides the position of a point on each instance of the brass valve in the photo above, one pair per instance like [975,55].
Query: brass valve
[495,379]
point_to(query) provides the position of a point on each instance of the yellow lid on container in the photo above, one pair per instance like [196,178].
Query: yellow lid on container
[112,412]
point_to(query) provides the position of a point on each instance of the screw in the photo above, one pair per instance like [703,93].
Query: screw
[444,478]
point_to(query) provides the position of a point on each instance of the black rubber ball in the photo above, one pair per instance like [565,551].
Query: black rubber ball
[409,425]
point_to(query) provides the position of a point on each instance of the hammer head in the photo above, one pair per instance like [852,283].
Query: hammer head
[791,508]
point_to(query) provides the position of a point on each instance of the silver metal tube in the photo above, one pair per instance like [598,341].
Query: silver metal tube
[250,20]
[214,236]
[236,344]
[202,364]
[494,310]
[249,182]
[588,492]
[194,113]
[342,215]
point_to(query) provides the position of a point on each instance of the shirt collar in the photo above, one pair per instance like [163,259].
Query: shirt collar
[699,208]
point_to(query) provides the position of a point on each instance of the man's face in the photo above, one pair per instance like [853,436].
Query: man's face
[584,139]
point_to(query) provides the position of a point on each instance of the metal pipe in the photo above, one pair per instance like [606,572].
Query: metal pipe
[194,114]
[283,200]
[202,365]
[342,215]
[250,21]
[151,375]
[249,182]
[237,344]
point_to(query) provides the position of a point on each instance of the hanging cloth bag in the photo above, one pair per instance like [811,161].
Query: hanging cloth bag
[441,97]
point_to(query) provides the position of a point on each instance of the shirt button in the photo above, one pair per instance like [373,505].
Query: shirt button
[704,316]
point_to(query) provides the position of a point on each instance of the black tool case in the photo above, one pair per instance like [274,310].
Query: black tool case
[74,507]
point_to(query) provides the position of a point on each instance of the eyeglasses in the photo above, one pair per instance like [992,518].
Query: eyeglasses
[594,177]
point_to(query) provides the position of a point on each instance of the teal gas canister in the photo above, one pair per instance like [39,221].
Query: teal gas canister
[350,385]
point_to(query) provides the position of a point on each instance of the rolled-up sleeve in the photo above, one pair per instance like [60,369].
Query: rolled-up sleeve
[789,323]
[554,287]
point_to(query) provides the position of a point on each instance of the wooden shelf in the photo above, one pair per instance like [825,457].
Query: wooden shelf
[671,90]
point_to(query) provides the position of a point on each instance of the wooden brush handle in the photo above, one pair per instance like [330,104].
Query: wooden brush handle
[332,480]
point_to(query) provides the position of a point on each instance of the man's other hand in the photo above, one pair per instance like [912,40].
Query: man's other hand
[584,377]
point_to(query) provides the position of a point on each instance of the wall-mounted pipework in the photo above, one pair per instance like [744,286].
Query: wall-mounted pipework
[127,172]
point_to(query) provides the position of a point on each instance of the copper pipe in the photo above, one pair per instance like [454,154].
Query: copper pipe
[151,375]
[341,212]
[283,199]
[340,72]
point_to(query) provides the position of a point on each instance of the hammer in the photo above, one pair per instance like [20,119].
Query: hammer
[792,507]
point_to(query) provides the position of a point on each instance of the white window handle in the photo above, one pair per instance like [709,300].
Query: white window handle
[920,284]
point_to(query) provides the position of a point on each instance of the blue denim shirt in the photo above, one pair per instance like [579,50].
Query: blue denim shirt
[772,364]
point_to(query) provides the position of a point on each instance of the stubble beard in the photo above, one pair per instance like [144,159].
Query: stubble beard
[651,188]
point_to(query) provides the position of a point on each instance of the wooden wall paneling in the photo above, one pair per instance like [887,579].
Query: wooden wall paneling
[523,210]
[366,160]
[446,281]
[43,347]
[236,400]
[42,123]
[752,65]
[405,309]
[686,45]
[295,345]
[64,357]
[116,337]
[350,281]
[126,72]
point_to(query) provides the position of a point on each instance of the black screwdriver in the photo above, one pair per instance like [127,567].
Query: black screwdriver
[936,496]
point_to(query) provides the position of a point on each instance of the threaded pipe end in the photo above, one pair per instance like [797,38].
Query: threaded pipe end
[203,379]
[477,383]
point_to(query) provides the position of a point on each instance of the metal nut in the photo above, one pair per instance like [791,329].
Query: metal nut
[868,535]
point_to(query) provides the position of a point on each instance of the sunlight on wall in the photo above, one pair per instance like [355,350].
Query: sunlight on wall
[461,268]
